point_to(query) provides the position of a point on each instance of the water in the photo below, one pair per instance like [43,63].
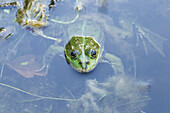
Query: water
[125,24]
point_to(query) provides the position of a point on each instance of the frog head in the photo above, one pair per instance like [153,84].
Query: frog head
[82,53]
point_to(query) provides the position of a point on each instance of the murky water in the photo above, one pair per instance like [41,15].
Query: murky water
[35,77]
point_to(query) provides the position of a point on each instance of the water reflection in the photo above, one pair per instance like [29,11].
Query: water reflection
[23,54]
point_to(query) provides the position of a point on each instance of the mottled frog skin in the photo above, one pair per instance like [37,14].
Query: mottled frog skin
[82,53]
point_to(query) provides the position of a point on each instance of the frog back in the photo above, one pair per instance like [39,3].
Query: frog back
[87,28]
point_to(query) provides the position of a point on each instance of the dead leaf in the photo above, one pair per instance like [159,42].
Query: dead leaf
[26,66]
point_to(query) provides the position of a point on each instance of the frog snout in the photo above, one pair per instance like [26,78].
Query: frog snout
[87,62]
[84,64]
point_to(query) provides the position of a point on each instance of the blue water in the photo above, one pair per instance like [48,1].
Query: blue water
[148,61]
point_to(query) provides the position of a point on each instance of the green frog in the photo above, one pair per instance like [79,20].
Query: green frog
[84,42]
[84,47]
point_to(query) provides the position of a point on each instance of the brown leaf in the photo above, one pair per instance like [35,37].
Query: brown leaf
[26,66]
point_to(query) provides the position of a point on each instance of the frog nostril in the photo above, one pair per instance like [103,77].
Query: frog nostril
[80,62]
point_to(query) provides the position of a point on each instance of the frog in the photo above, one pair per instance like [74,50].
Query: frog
[80,53]
[83,48]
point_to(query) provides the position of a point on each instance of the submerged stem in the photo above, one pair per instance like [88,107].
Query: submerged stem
[134,62]
[133,102]
[2,69]
[67,22]
[35,95]
[69,92]
[104,96]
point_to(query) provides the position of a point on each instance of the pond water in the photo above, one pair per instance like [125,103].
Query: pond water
[35,77]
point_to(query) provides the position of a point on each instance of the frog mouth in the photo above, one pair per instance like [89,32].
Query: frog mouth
[83,70]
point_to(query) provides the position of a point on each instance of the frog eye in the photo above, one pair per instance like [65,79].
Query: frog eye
[93,53]
[73,55]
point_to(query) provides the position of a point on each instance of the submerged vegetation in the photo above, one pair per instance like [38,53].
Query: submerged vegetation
[9,5]
[118,94]
[90,37]
[32,15]
[5,33]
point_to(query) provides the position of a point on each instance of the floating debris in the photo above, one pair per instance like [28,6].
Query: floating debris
[2,29]
[52,4]
[80,7]
[32,17]
[32,14]
[9,5]
[5,33]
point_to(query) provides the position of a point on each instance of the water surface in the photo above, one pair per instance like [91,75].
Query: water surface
[24,90]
